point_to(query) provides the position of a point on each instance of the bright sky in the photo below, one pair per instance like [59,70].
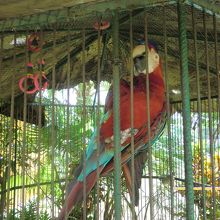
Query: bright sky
[61,95]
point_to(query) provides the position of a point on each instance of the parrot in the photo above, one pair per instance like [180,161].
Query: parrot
[142,138]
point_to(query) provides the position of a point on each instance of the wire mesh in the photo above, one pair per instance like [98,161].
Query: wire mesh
[160,155]
[43,137]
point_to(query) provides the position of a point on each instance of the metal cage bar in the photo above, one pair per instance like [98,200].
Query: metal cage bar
[186,111]
[68,135]
[150,169]
[132,117]
[10,140]
[199,107]
[53,136]
[84,118]
[39,126]
[166,181]
[166,77]
[210,124]
[99,63]
[116,120]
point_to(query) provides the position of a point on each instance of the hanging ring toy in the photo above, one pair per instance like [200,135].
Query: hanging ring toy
[25,78]
[37,84]
[34,42]
[32,80]
[103,25]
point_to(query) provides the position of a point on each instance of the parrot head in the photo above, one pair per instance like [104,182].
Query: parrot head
[139,59]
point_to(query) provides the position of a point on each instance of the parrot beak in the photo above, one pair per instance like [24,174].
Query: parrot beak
[139,64]
[139,58]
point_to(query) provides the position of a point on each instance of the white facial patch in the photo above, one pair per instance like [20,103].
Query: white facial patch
[153,60]
[139,59]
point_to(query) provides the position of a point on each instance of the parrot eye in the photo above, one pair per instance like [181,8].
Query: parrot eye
[140,57]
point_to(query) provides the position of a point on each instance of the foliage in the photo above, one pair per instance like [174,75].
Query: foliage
[29,212]
[63,139]
[162,166]
[208,182]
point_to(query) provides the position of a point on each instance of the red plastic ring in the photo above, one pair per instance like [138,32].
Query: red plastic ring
[21,81]
[31,47]
[103,25]
[36,82]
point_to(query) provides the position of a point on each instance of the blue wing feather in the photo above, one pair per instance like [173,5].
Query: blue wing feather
[91,157]
[92,145]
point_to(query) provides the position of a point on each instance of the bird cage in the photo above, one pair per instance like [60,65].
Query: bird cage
[57,63]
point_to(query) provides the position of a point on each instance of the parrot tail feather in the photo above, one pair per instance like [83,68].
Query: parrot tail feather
[128,181]
[76,193]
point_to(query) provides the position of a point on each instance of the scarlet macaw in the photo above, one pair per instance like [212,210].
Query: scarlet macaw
[140,131]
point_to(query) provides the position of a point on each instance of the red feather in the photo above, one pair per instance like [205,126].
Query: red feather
[76,194]
[140,102]
[156,103]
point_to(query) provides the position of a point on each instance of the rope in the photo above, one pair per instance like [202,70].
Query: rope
[105,39]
